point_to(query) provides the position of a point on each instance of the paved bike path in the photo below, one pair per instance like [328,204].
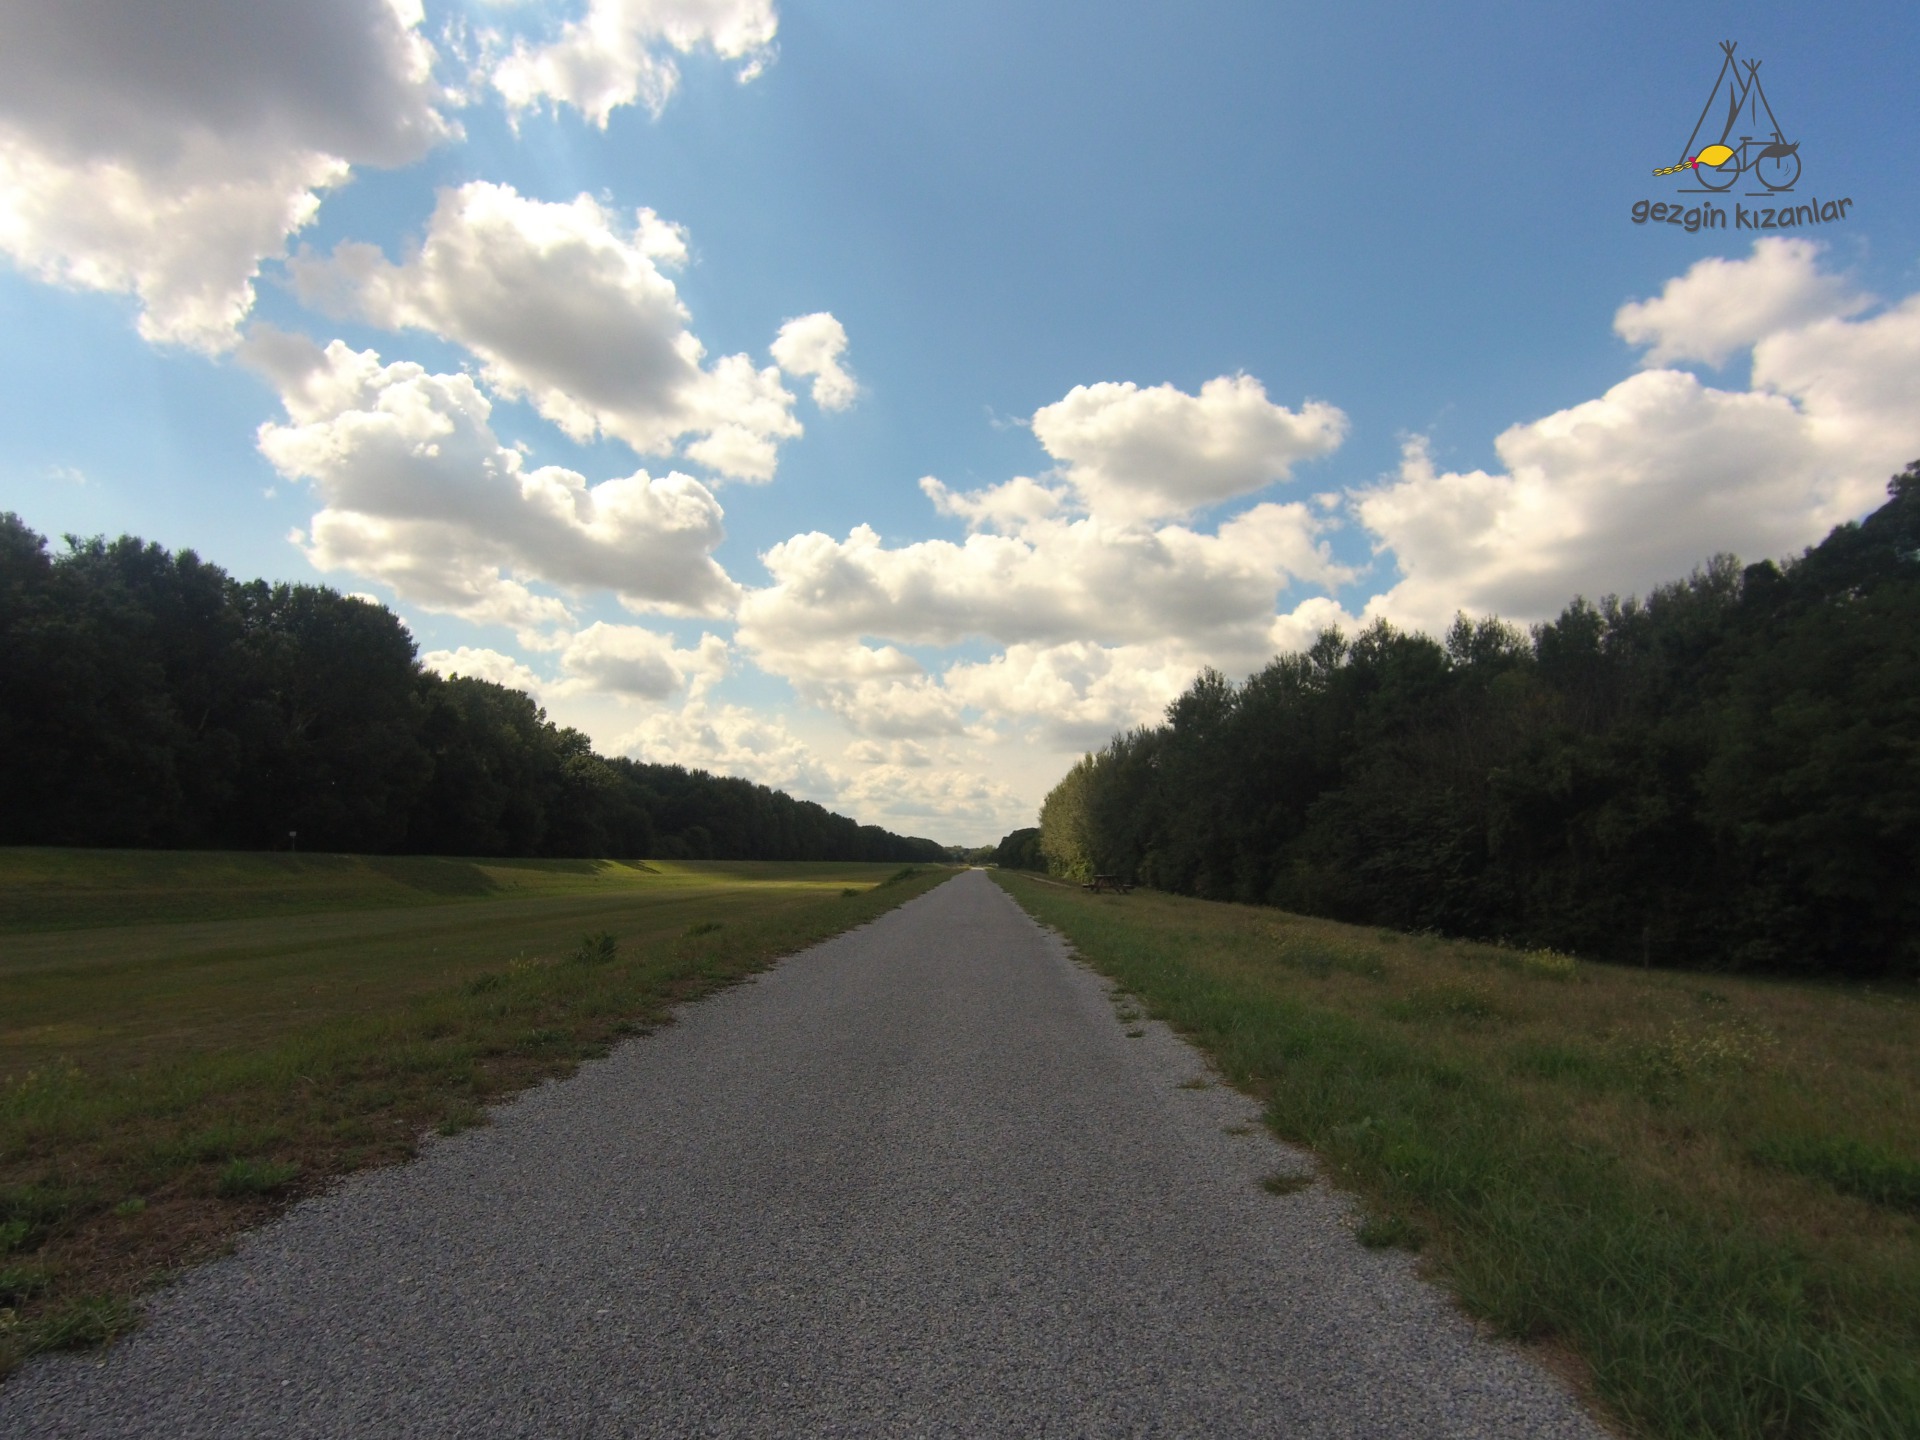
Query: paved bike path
[914,1181]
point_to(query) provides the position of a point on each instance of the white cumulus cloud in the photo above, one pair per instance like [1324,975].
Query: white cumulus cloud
[480,663]
[1099,606]
[812,345]
[632,661]
[1055,580]
[1637,487]
[1720,307]
[1079,693]
[1133,452]
[933,800]
[620,664]
[621,52]
[166,151]
[733,740]
[908,754]
[420,493]
[567,305]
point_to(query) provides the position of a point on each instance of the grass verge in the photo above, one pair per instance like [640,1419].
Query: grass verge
[164,1085]
[1699,1189]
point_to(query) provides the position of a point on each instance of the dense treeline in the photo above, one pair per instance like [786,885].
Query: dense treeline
[1020,851]
[1725,774]
[150,699]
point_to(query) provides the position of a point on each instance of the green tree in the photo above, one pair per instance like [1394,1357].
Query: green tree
[1065,836]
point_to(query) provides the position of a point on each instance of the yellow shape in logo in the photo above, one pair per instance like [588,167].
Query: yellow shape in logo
[1714,156]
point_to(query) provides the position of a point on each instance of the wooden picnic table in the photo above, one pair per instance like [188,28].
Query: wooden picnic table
[1110,884]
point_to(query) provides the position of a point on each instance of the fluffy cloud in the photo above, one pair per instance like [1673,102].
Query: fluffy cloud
[732,740]
[1057,579]
[902,784]
[634,662]
[1078,693]
[942,798]
[812,345]
[1637,487]
[567,306]
[1059,582]
[1156,452]
[1018,505]
[1100,610]
[913,705]
[1721,306]
[479,663]
[166,151]
[621,52]
[1296,629]
[421,494]
[1854,382]
[619,662]
[908,754]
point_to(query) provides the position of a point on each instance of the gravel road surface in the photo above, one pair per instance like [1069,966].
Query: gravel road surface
[915,1181]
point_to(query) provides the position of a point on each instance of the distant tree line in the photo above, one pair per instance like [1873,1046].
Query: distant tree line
[1725,774]
[150,699]
[1020,851]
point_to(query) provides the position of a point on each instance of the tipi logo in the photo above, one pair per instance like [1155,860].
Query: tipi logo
[1750,141]
[1738,141]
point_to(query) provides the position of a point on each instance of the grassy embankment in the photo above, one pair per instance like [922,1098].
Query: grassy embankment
[188,1042]
[1699,1191]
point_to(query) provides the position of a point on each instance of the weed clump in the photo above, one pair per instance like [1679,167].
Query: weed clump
[1686,1052]
[907,874]
[598,948]
[462,1116]
[1548,965]
[705,927]
[20,1283]
[29,1213]
[245,1179]
[89,1320]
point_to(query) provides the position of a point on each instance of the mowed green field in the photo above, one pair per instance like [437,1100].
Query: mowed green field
[1699,1193]
[116,959]
[188,1041]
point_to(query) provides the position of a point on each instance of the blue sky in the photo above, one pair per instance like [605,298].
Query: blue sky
[1213,325]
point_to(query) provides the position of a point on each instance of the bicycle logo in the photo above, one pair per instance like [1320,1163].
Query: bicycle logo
[1769,159]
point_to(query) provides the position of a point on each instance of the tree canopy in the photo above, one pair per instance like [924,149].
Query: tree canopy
[149,699]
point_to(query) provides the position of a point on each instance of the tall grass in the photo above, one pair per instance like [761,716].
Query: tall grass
[1615,1161]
